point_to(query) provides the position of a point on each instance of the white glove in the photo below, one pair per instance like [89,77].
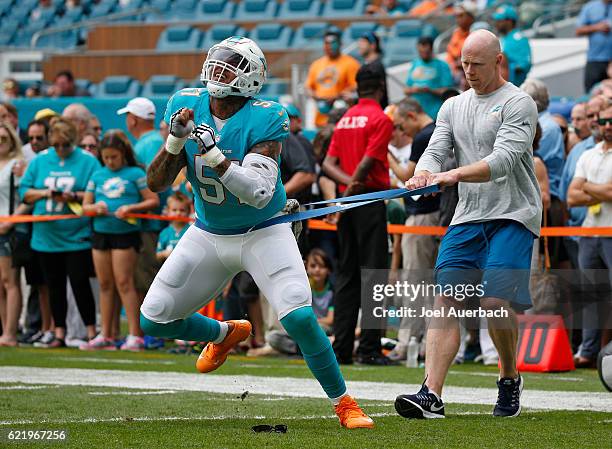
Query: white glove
[179,132]
[204,136]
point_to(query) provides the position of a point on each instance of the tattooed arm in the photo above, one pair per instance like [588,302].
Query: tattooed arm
[163,170]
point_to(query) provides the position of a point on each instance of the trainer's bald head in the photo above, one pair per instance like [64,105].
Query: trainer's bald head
[482,43]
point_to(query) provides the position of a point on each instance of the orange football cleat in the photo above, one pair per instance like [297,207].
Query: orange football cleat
[213,355]
[351,416]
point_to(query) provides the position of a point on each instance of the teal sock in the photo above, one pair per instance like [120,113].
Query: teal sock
[196,328]
[302,326]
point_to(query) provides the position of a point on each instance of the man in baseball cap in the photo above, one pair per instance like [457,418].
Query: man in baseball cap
[515,45]
[140,107]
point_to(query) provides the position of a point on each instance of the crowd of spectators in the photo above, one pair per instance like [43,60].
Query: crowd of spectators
[65,164]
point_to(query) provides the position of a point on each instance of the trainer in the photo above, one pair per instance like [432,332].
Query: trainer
[490,128]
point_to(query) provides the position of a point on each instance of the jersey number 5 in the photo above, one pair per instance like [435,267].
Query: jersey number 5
[212,190]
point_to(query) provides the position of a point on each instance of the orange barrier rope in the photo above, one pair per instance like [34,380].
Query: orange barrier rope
[321,225]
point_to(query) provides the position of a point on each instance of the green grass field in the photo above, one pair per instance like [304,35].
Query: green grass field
[167,417]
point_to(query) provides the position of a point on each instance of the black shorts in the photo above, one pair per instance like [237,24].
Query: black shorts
[105,242]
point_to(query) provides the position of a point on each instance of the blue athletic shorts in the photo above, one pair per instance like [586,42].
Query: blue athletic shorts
[496,255]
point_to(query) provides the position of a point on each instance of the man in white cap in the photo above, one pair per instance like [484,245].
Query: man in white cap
[140,122]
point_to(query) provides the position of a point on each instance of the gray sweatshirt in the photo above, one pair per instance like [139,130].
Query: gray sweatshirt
[499,129]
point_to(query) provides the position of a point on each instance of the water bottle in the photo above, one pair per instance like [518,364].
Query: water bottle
[412,358]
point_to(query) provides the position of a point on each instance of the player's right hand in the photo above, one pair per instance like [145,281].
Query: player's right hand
[418,180]
[181,123]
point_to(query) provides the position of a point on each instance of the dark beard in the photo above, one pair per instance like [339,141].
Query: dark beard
[224,108]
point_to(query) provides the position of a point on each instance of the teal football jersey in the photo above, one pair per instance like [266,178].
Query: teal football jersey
[48,171]
[257,121]
[117,188]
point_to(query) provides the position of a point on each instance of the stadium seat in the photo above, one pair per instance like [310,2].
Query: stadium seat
[85,84]
[162,86]
[163,6]
[180,38]
[219,32]
[5,6]
[64,40]
[407,28]
[272,36]
[256,9]
[129,7]
[73,15]
[344,8]
[274,87]
[310,36]
[104,8]
[182,10]
[19,14]
[215,10]
[118,86]
[300,9]
[356,30]
[8,29]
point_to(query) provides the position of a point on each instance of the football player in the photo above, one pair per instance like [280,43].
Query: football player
[231,144]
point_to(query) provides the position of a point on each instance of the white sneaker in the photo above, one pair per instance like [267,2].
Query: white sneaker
[133,343]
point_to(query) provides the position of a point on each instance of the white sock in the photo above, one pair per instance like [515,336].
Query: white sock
[435,394]
[337,400]
[222,332]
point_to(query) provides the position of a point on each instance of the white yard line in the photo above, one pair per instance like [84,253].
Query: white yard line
[120,361]
[292,387]
[131,393]
[27,387]
[476,373]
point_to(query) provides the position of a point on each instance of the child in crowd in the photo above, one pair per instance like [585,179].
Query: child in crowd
[178,205]
[114,191]
[318,268]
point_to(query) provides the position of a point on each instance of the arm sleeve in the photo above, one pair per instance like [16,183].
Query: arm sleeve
[580,167]
[169,109]
[446,77]
[273,124]
[378,142]
[583,18]
[312,76]
[91,186]
[161,243]
[333,149]
[419,145]
[141,179]
[514,136]
[441,143]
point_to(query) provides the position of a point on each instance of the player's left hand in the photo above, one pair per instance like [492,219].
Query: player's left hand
[204,136]
[122,211]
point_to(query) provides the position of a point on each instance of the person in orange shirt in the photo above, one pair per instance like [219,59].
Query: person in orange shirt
[427,7]
[465,15]
[331,77]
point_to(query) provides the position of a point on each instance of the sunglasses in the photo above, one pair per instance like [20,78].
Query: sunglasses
[89,145]
[37,138]
[64,146]
[604,121]
[278,428]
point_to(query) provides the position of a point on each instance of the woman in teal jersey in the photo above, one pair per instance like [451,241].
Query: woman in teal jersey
[54,183]
[10,292]
[114,191]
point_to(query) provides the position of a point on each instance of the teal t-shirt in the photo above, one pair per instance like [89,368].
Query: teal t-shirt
[169,238]
[434,74]
[48,171]
[518,51]
[257,121]
[145,149]
[116,189]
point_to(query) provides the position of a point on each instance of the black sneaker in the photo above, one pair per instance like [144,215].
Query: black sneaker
[376,360]
[30,338]
[422,405]
[509,397]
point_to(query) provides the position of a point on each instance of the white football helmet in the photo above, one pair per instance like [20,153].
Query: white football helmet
[238,57]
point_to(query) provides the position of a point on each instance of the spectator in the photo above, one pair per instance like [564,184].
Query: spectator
[578,214]
[319,269]
[64,246]
[429,7]
[595,21]
[179,205]
[591,187]
[10,89]
[80,116]
[552,152]
[64,86]
[95,126]
[140,122]
[295,128]
[580,128]
[562,122]
[368,46]
[400,148]
[386,8]
[465,15]
[38,139]
[10,290]
[9,114]
[514,44]
[418,251]
[90,143]
[34,90]
[114,191]
[43,7]
[331,77]
[428,78]
[357,162]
